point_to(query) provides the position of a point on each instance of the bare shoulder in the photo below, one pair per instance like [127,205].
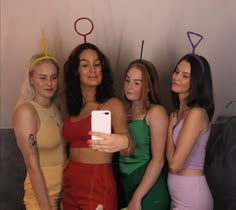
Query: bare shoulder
[26,108]
[156,113]
[114,101]
[197,116]
[113,104]
[24,112]
[197,113]
[156,110]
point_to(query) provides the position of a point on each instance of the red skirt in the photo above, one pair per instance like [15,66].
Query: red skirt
[89,186]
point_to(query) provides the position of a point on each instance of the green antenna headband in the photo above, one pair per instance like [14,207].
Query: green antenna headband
[146,65]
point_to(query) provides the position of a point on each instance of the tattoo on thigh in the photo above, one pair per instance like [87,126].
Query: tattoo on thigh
[32,143]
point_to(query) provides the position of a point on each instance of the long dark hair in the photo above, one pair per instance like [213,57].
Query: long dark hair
[73,94]
[201,91]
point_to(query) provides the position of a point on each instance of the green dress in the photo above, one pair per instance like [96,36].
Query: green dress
[133,167]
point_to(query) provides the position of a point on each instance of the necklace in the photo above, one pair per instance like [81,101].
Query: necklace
[53,115]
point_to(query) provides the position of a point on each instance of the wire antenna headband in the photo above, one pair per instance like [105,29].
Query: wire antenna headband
[144,63]
[190,33]
[43,50]
[141,52]
[80,33]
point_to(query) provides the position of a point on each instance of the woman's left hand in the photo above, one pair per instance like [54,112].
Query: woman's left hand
[134,204]
[109,143]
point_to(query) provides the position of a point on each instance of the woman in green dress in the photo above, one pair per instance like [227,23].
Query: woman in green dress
[142,178]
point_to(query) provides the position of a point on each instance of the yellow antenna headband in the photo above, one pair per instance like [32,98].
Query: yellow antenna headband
[44,50]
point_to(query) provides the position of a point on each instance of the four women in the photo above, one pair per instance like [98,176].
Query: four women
[89,181]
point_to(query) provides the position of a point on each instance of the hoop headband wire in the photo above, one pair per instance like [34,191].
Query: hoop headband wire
[83,34]
[189,33]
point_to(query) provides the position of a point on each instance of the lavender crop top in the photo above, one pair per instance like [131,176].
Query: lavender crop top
[196,157]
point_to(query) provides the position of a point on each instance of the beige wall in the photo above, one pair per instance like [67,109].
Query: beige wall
[120,26]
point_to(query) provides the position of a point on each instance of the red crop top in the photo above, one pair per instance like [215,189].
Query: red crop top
[76,133]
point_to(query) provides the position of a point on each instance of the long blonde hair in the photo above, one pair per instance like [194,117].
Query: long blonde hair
[27,91]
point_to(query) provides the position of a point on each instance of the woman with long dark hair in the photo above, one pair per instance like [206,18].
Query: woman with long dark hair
[188,132]
[89,182]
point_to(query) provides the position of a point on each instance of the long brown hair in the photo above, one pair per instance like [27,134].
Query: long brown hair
[150,81]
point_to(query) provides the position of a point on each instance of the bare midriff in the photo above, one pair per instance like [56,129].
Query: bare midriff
[190,172]
[88,155]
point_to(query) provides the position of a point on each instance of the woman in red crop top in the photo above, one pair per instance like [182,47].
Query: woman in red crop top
[88,178]
[188,133]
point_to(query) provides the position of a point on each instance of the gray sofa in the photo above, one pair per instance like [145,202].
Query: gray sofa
[12,172]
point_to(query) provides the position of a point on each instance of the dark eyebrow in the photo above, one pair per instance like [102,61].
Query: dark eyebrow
[138,80]
[88,61]
[42,75]
[45,75]
[184,72]
[83,60]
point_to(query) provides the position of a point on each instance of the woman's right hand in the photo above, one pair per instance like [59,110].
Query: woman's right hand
[109,143]
[173,120]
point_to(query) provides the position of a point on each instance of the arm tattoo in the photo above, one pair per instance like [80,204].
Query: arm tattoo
[33,143]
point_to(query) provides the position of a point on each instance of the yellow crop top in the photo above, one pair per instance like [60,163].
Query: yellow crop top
[50,142]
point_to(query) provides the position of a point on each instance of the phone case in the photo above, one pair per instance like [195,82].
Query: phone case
[101,121]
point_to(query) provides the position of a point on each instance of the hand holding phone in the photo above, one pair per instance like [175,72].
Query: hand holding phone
[101,122]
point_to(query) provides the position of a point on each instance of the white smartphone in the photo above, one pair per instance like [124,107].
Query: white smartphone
[101,121]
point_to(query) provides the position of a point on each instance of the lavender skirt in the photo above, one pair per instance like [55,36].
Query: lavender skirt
[189,193]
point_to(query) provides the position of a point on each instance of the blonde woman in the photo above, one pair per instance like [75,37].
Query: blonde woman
[37,126]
